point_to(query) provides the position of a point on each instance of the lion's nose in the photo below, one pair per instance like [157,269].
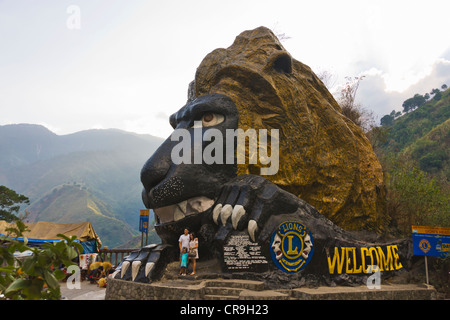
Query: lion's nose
[146,199]
[156,169]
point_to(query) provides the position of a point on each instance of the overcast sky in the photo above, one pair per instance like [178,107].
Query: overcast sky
[82,64]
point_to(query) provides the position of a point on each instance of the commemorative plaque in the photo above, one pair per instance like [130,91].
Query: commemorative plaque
[241,254]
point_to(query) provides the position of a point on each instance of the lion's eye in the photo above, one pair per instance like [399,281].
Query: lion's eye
[210,119]
[207,118]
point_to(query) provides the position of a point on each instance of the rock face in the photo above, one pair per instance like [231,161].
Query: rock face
[324,158]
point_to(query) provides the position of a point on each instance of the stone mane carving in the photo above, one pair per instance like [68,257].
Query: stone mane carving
[325,159]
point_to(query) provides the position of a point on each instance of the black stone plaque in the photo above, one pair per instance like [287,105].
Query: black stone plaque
[241,254]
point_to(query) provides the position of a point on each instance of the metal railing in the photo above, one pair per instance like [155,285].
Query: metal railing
[117,254]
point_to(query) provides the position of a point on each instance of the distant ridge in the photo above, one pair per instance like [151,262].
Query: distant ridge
[424,135]
[88,175]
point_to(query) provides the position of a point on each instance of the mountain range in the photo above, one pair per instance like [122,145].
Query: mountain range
[90,175]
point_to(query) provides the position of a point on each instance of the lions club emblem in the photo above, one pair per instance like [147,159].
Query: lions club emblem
[292,246]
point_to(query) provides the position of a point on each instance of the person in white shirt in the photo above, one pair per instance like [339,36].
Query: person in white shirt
[183,241]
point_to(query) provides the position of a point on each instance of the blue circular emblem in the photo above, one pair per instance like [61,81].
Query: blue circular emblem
[291,246]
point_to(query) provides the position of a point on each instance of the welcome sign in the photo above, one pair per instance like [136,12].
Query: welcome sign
[353,260]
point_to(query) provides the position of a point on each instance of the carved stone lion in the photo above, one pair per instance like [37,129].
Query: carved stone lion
[327,179]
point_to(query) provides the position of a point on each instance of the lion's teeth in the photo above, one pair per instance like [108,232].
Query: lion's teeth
[178,214]
[182,205]
[198,204]
[165,214]
[182,209]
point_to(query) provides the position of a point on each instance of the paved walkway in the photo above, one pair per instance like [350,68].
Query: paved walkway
[87,291]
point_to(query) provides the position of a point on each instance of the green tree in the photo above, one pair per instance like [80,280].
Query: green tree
[434,91]
[415,199]
[413,103]
[387,120]
[433,161]
[10,203]
[437,96]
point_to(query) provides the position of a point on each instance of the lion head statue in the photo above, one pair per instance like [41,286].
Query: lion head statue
[324,158]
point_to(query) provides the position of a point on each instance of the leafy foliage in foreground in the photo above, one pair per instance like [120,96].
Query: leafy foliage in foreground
[36,277]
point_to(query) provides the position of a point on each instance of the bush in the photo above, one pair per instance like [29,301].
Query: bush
[433,161]
[415,199]
[37,277]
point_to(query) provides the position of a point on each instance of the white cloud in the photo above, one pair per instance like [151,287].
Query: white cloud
[151,123]
[373,92]
[130,64]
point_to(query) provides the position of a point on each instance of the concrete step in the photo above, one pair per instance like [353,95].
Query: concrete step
[241,290]
[225,291]
[386,292]
[241,284]
[263,295]
[219,297]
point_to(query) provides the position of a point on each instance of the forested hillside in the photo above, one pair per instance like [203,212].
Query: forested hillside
[415,153]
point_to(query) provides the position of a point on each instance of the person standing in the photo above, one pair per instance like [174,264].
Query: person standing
[183,241]
[193,247]
[183,264]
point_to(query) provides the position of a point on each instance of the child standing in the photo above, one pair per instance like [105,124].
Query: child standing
[184,259]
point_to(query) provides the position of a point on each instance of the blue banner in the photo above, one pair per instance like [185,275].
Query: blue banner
[431,241]
[143,221]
